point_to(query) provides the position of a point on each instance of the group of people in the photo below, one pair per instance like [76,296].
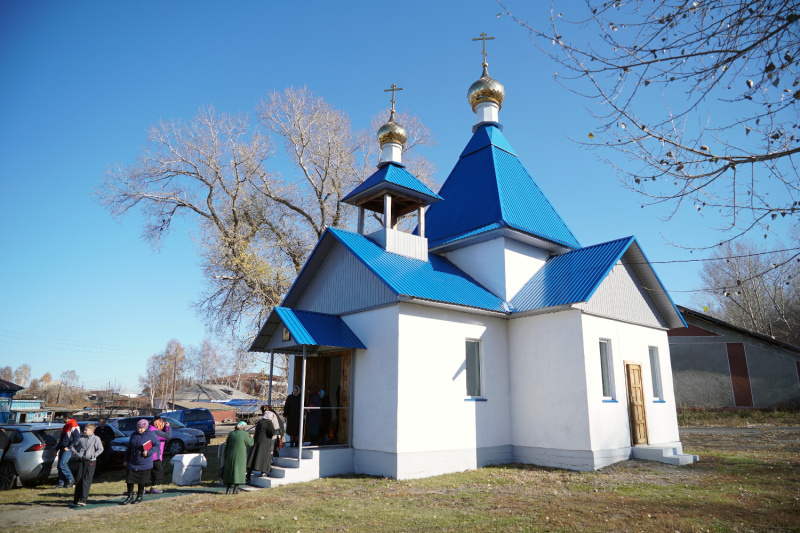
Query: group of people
[318,421]
[145,452]
[238,467]
[143,457]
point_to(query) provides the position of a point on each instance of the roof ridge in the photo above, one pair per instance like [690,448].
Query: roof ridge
[631,237]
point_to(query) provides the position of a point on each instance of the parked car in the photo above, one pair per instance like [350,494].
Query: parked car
[201,419]
[183,438]
[31,454]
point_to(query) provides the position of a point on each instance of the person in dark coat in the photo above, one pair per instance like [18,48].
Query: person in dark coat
[139,460]
[106,435]
[314,417]
[235,462]
[292,413]
[266,431]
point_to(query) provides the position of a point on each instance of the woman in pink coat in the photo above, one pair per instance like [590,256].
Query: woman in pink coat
[160,429]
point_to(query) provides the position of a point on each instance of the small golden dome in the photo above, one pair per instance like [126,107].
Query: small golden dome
[392,132]
[486,89]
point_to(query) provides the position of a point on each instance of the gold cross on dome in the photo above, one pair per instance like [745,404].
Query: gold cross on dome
[483,38]
[393,88]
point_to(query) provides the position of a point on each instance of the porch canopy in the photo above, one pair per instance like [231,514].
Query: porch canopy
[290,330]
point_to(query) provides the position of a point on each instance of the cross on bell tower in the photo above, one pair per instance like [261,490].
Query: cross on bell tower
[483,38]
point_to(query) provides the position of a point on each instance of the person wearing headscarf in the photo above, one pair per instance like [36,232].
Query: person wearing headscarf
[70,434]
[278,443]
[235,460]
[266,432]
[293,414]
[86,452]
[160,428]
[139,460]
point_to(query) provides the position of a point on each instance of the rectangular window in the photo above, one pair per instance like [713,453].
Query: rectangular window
[607,369]
[655,371]
[473,368]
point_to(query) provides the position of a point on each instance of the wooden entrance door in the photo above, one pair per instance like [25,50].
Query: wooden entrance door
[320,374]
[636,410]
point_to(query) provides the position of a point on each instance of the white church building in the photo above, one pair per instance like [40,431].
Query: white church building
[488,335]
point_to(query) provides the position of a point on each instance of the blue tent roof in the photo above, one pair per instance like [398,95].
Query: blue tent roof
[436,279]
[318,329]
[489,185]
[393,174]
[570,277]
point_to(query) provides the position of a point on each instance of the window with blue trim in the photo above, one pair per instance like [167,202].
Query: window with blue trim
[607,369]
[473,368]
[655,372]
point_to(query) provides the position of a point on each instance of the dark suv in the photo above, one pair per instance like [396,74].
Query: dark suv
[201,419]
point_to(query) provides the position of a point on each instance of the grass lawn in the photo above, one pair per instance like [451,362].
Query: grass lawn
[737,417]
[743,483]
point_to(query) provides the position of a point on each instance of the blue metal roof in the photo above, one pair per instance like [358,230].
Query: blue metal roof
[395,174]
[317,329]
[489,185]
[437,279]
[570,277]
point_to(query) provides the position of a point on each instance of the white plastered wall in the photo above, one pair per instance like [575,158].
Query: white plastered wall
[550,421]
[610,425]
[502,265]
[439,428]
[374,391]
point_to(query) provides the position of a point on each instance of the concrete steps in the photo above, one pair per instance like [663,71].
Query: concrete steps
[316,463]
[672,455]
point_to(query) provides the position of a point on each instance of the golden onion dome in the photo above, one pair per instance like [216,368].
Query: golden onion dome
[486,89]
[392,132]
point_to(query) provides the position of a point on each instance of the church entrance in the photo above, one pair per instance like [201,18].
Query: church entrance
[636,410]
[329,422]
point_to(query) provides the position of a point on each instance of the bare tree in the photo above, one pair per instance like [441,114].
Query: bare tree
[205,361]
[46,378]
[151,381]
[254,226]
[22,375]
[700,98]
[755,289]
[6,373]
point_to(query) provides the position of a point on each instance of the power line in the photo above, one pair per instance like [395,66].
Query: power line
[15,334]
[82,350]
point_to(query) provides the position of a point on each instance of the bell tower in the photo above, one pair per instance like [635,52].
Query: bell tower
[392,191]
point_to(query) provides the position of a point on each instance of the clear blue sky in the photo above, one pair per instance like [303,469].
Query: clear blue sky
[83,81]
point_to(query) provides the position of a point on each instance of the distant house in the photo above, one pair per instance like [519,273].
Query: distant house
[202,392]
[29,411]
[7,392]
[716,365]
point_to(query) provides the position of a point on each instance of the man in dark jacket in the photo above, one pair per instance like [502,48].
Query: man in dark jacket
[106,435]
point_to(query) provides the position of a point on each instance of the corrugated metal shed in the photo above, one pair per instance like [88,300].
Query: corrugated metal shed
[489,185]
[391,176]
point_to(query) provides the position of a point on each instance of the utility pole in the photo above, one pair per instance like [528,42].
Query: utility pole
[174,374]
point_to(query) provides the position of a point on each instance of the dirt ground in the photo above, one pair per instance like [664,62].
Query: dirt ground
[42,504]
